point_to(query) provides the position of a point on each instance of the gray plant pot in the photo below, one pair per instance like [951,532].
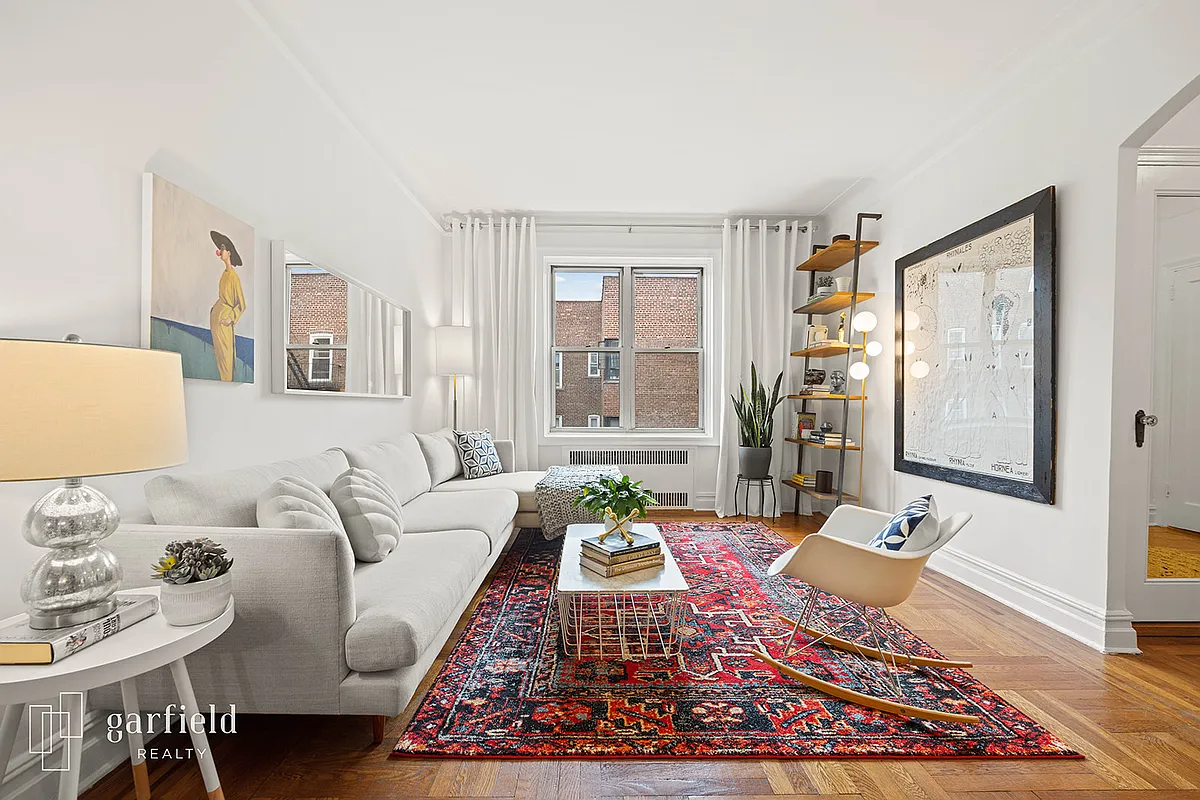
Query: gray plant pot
[754,462]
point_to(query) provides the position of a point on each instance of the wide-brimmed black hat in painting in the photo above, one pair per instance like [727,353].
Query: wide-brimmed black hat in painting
[225,243]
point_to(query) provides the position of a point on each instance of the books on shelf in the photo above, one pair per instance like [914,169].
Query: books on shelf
[805,480]
[21,644]
[620,568]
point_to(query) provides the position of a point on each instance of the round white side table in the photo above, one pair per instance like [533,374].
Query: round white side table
[142,647]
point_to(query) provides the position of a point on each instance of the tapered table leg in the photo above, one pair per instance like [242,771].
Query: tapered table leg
[72,742]
[8,737]
[137,746]
[208,767]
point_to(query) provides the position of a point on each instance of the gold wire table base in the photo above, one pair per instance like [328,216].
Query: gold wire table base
[626,626]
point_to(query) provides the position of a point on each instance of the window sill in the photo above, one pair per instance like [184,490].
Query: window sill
[601,437]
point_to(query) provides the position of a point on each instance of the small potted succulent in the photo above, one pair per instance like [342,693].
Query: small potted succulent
[756,425]
[196,581]
[615,500]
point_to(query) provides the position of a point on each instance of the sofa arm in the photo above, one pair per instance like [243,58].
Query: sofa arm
[285,651]
[507,452]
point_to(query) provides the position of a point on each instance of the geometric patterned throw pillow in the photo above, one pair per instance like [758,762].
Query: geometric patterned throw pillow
[478,454]
[914,527]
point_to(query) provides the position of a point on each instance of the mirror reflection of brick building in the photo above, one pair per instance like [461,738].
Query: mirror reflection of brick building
[666,385]
[318,316]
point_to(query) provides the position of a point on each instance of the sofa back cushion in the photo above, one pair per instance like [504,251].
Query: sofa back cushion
[399,462]
[297,504]
[230,499]
[441,455]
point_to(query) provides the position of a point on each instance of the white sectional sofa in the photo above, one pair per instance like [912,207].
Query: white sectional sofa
[316,632]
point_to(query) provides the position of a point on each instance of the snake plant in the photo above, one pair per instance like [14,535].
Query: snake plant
[756,411]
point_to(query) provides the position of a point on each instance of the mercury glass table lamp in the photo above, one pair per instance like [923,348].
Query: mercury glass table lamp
[71,410]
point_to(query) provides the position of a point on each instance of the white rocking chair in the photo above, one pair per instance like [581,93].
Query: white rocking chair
[837,561]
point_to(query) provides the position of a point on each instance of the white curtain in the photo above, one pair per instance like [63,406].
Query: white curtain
[759,261]
[500,300]
[369,319]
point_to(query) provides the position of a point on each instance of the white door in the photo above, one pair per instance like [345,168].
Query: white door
[1181,495]
[1162,348]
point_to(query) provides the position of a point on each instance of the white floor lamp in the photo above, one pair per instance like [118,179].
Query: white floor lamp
[454,355]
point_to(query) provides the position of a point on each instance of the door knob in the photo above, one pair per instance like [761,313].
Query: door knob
[1140,421]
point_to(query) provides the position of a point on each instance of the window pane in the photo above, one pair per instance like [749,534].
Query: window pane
[316,370]
[665,306]
[666,392]
[586,392]
[587,308]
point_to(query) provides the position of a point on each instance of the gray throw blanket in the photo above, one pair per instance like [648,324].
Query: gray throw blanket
[558,490]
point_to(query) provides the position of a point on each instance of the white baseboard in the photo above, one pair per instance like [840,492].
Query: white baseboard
[25,779]
[1106,631]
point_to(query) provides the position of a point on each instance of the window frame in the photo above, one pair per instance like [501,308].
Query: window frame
[558,371]
[320,354]
[594,418]
[625,353]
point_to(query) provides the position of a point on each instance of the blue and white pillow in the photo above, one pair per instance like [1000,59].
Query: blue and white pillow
[915,527]
[478,454]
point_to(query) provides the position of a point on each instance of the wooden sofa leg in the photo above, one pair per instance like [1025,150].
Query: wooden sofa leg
[378,725]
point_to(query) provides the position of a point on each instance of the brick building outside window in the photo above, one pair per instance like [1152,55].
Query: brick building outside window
[318,316]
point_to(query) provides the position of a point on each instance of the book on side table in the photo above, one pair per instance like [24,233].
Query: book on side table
[21,644]
[614,556]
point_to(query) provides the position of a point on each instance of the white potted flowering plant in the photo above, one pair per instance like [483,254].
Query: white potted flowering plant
[196,581]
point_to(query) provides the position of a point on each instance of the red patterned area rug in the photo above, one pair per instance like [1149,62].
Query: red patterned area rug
[509,691]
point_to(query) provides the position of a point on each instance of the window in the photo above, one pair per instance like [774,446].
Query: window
[639,330]
[320,362]
[558,421]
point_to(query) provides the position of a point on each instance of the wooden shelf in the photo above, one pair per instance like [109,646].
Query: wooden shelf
[853,398]
[837,301]
[826,350]
[808,490]
[836,255]
[807,443]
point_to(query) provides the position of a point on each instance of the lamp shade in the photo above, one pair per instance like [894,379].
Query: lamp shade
[72,410]
[454,352]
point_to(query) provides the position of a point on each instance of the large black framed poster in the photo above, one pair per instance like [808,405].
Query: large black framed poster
[975,354]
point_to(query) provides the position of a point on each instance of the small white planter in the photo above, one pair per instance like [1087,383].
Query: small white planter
[193,603]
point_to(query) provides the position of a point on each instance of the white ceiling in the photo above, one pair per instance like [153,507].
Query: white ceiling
[649,106]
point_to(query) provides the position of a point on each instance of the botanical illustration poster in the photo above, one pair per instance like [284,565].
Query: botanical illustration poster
[969,355]
[200,277]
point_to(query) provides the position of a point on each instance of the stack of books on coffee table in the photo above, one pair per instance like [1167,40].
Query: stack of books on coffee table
[614,556]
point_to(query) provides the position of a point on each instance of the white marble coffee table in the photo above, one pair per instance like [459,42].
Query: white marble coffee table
[627,617]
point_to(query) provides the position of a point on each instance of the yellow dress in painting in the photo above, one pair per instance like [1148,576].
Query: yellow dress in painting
[230,305]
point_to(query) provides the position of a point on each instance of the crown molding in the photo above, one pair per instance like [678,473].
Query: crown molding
[336,108]
[1168,156]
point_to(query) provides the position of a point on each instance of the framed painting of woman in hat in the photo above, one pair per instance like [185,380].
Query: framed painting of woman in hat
[198,284]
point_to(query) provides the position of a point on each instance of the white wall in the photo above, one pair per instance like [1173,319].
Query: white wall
[1063,126]
[1182,130]
[95,94]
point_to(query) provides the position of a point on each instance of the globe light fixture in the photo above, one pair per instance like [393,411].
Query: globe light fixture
[874,348]
[859,370]
[864,322]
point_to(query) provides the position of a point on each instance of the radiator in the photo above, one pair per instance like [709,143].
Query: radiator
[666,472]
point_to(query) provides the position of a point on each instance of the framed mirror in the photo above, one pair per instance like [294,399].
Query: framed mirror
[331,335]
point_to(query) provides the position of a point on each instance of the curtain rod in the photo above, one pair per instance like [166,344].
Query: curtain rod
[631,226]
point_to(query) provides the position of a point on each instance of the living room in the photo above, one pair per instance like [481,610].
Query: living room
[300,244]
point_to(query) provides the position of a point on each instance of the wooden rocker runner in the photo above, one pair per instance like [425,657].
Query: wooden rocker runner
[868,580]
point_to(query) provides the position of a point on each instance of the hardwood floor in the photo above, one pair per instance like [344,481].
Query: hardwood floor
[1136,718]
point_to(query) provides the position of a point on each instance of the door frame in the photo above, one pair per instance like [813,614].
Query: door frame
[1159,599]
[1165,319]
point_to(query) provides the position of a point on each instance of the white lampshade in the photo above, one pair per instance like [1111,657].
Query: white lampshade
[454,351]
[874,348]
[73,410]
[864,322]
[859,370]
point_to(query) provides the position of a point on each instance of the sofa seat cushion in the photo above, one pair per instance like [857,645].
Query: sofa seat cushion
[490,511]
[399,462]
[403,601]
[230,499]
[523,483]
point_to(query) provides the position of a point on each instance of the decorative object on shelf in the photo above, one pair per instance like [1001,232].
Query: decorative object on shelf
[817,334]
[198,265]
[756,421]
[70,410]
[837,382]
[823,281]
[196,581]
[975,314]
[842,327]
[454,354]
[814,377]
[21,644]
[843,282]
[806,421]
[616,502]
[841,237]
[826,427]
[824,481]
